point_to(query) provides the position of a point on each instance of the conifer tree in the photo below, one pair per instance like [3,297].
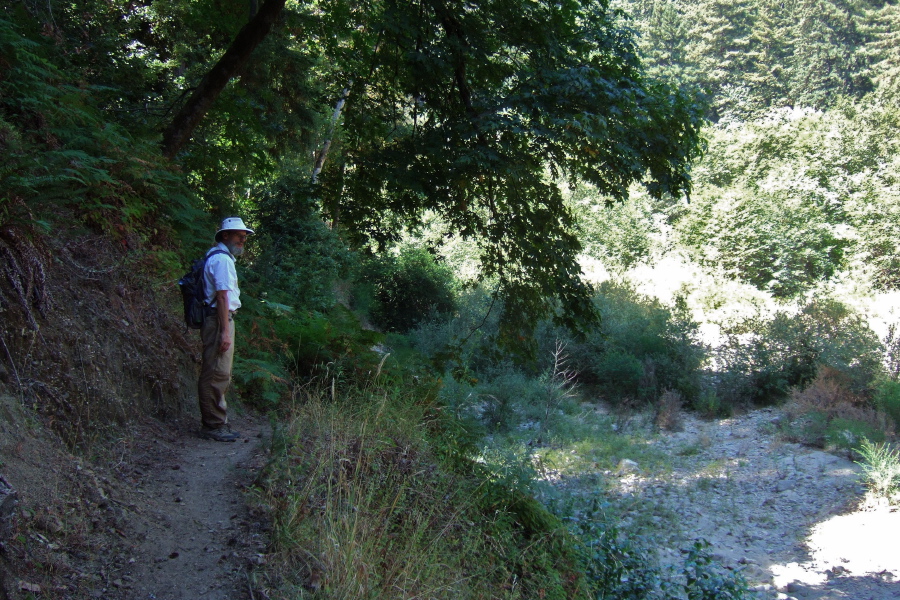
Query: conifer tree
[883,51]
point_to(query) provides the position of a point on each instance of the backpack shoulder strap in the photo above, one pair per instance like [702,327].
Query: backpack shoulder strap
[215,251]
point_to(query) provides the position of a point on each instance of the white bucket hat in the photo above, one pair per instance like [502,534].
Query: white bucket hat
[232,224]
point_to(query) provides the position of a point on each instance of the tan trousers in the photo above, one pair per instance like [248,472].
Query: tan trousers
[215,374]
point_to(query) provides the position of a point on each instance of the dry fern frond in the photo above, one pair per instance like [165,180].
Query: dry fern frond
[22,267]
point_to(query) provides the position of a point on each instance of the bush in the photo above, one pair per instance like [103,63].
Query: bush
[504,394]
[640,348]
[765,358]
[710,404]
[708,581]
[828,414]
[296,259]
[406,288]
[621,568]
[847,434]
[466,344]
[281,347]
[668,411]
[887,400]
[892,352]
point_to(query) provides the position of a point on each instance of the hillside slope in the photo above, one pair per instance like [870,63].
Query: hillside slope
[92,357]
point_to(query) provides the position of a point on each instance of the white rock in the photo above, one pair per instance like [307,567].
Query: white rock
[626,465]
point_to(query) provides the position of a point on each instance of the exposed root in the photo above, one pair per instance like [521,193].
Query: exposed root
[22,266]
[67,254]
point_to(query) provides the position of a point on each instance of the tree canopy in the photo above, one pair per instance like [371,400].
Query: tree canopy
[481,112]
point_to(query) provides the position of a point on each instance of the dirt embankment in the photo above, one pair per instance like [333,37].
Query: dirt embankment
[84,339]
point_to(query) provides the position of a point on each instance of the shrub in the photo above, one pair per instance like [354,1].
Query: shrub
[626,568]
[466,344]
[511,397]
[408,287]
[668,411]
[708,581]
[504,394]
[765,358]
[296,258]
[846,434]
[887,400]
[281,347]
[711,405]
[558,383]
[828,413]
[829,393]
[892,352]
[640,348]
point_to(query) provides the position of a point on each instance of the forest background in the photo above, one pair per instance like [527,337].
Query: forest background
[430,182]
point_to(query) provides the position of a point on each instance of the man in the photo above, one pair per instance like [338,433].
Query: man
[217,333]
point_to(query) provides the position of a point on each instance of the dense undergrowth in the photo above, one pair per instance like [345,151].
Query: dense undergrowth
[437,422]
[374,496]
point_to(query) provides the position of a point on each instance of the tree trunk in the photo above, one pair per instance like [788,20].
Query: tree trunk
[320,159]
[229,66]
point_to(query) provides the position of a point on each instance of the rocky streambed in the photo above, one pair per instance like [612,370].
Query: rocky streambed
[794,520]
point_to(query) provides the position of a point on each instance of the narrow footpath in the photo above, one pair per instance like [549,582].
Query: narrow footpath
[191,534]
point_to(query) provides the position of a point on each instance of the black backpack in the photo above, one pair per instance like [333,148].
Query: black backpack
[193,291]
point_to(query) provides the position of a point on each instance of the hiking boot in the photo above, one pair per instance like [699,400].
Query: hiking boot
[222,434]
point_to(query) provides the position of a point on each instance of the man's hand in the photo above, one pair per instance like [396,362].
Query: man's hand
[226,341]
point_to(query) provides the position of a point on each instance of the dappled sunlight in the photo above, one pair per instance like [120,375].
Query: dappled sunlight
[859,543]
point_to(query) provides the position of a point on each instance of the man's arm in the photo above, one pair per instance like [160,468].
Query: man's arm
[222,314]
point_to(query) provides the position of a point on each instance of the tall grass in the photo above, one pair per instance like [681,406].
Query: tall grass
[364,507]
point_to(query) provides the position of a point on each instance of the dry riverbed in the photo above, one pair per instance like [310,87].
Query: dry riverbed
[794,520]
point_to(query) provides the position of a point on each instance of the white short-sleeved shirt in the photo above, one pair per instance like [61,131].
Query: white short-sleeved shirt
[221,275]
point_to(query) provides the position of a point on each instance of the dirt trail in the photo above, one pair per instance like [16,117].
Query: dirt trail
[192,536]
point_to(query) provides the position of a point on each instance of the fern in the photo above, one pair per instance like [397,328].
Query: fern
[64,152]
[261,379]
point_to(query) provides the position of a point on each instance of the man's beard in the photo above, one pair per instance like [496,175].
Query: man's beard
[235,250]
